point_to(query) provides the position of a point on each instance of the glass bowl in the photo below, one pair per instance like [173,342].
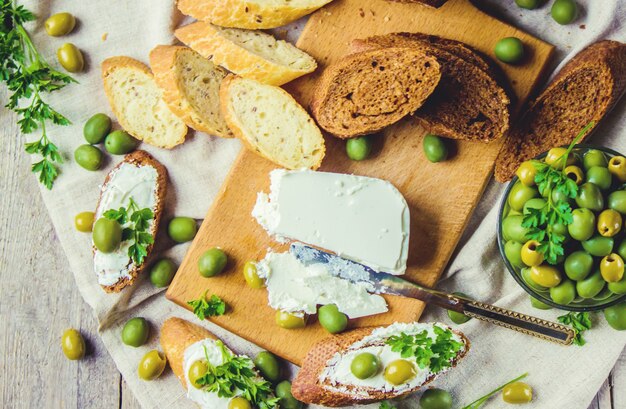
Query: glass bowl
[601,301]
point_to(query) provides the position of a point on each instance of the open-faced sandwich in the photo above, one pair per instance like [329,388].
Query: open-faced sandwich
[372,364]
[214,376]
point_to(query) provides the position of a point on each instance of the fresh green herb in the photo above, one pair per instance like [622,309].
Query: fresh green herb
[28,76]
[236,375]
[136,223]
[386,405]
[205,307]
[481,401]
[539,221]
[580,322]
[436,354]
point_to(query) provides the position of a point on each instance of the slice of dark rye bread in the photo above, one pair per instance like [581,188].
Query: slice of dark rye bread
[139,158]
[469,103]
[585,90]
[364,92]
[308,388]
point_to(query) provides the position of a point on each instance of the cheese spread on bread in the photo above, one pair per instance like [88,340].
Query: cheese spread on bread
[359,218]
[128,180]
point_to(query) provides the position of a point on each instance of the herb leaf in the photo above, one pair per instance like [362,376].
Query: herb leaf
[210,307]
[386,405]
[580,322]
[136,223]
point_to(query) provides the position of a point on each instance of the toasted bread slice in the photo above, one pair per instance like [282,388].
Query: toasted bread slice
[430,3]
[365,92]
[318,381]
[143,178]
[251,14]
[585,90]
[191,85]
[137,103]
[468,103]
[251,54]
[270,122]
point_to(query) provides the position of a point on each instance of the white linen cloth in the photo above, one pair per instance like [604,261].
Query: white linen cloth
[562,377]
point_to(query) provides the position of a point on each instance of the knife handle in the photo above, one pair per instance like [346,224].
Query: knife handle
[526,324]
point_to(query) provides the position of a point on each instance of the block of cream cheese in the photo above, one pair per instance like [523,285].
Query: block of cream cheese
[359,218]
[296,288]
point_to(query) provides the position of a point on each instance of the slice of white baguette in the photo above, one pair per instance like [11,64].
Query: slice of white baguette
[137,103]
[117,270]
[326,379]
[191,85]
[250,54]
[270,122]
[250,14]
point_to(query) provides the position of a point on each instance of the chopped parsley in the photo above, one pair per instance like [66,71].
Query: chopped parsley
[136,223]
[386,405]
[208,307]
[580,322]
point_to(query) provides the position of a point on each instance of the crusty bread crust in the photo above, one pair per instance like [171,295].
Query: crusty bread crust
[246,14]
[430,3]
[177,335]
[209,43]
[307,388]
[140,158]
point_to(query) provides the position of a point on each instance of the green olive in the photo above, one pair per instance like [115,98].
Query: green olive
[73,344]
[564,11]
[268,365]
[555,157]
[621,249]
[539,304]
[107,235]
[151,365]
[617,166]
[618,287]
[563,293]
[520,194]
[196,371]
[612,268]
[60,24]
[239,403]
[136,332]
[509,50]
[88,157]
[528,4]
[590,286]
[583,224]
[287,401]
[333,320]
[616,316]
[399,372]
[575,173]
[609,223]
[600,176]
[435,148]
[561,229]
[70,58]
[512,228]
[530,253]
[594,157]
[535,203]
[598,246]
[97,128]
[365,365]
[251,275]
[162,272]
[287,320]
[545,275]
[525,274]
[590,197]
[83,221]
[436,399]
[182,229]
[458,317]
[526,173]
[359,148]
[617,201]
[558,196]
[517,392]
[578,265]
[120,143]
[513,251]
[212,262]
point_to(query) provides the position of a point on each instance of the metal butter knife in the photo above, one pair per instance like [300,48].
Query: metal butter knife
[384,283]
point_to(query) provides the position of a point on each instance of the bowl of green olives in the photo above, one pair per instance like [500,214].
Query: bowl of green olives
[560,228]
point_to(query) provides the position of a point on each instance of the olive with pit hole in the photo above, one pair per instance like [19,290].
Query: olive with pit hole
[564,293]
[578,265]
[71,58]
[583,224]
[120,143]
[594,157]
[88,157]
[151,365]
[251,275]
[162,273]
[531,256]
[73,344]
[590,197]
[600,176]
[399,372]
[435,398]
[97,128]
[268,365]
[617,166]
[617,201]
[287,320]
[526,173]
[540,305]
[609,223]
[135,332]
[545,275]
[333,320]
[517,392]
[598,246]
[590,286]
[612,268]
[197,370]
[616,316]
[575,173]
[287,401]
[60,24]
[83,221]
[520,194]
[365,365]
[107,235]
[212,262]
[513,253]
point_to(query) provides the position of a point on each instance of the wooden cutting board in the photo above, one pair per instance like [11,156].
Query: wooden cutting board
[441,196]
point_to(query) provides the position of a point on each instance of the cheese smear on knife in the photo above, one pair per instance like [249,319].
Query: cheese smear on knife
[359,218]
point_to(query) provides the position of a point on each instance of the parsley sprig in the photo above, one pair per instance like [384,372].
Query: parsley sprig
[539,221]
[205,307]
[136,223]
[437,354]
[481,401]
[580,322]
[386,405]
[236,375]
[28,77]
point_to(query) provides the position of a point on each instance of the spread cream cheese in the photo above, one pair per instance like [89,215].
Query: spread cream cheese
[129,180]
[296,288]
[359,218]
[337,375]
